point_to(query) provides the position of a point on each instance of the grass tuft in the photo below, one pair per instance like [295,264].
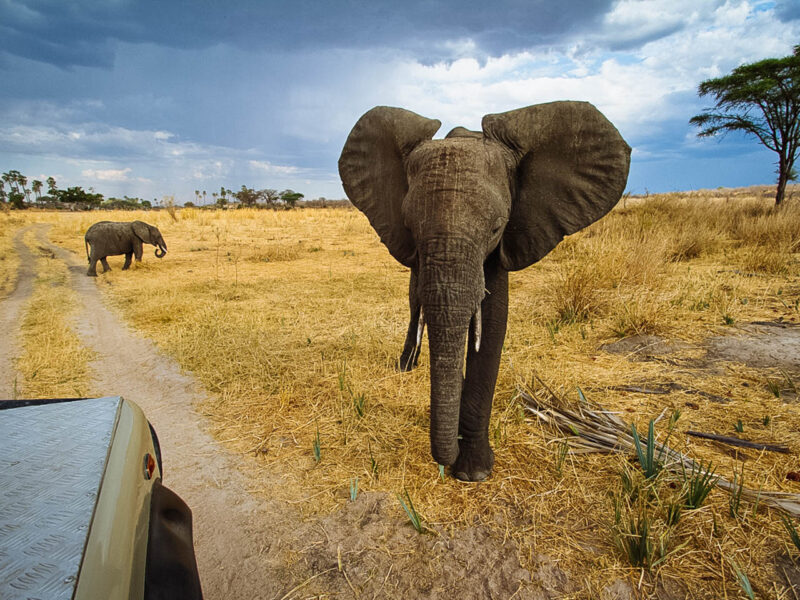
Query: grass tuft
[743,580]
[632,536]
[790,529]
[413,515]
[735,498]
[698,484]
[317,447]
[650,463]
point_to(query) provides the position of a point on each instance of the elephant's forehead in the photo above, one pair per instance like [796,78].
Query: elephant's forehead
[457,158]
[451,179]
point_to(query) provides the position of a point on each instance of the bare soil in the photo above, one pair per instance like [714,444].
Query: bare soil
[762,344]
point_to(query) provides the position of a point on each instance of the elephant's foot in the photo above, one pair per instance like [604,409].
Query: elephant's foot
[92,273]
[474,463]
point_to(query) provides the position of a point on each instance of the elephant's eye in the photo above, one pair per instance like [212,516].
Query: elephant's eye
[498,225]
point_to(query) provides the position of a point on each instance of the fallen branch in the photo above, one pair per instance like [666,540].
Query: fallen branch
[668,389]
[590,428]
[734,441]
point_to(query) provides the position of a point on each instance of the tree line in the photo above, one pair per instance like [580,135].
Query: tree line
[14,190]
[248,197]
[18,192]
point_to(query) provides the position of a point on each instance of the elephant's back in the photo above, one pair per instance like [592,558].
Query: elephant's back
[98,229]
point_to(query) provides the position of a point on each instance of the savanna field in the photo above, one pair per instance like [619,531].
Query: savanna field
[293,320]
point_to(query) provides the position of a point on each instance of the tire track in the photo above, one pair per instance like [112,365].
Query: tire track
[236,535]
[11,312]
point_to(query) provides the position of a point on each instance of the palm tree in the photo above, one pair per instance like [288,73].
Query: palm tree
[12,179]
[36,186]
[52,190]
[8,178]
[23,181]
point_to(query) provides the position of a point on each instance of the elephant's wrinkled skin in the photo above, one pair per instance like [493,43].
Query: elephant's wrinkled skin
[108,238]
[462,212]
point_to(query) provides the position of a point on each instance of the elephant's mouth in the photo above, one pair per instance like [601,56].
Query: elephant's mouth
[162,251]
[475,326]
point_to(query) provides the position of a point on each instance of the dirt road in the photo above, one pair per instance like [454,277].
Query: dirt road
[251,547]
[10,318]
[233,530]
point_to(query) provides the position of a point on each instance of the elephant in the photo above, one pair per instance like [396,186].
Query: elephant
[108,238]
[460,213]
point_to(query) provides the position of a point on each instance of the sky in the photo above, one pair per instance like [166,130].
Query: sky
[155,98]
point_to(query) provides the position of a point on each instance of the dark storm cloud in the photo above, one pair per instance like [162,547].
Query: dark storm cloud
[83,33]
[633,40]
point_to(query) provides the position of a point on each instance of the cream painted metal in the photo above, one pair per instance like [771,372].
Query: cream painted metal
[74,500]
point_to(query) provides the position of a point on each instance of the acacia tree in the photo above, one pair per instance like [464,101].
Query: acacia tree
[247,196]
[760,99]
[290,198]
[270,196]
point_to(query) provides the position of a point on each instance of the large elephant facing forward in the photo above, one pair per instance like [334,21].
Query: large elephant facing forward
[462,212]
[108,238]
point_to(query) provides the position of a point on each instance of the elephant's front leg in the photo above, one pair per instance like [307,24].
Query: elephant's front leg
[410,355]
[104,262]
[137,250]
[128,256]
[475,456]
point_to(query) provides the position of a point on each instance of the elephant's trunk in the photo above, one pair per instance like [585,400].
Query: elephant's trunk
[162,250]
[451,289]
[446,339]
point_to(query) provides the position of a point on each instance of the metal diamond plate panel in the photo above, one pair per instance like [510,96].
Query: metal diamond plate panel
[52,459]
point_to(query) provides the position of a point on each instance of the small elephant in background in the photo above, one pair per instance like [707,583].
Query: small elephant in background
[460,213]
[108,238]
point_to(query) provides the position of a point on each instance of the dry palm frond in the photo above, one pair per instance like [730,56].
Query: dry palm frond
[592,429]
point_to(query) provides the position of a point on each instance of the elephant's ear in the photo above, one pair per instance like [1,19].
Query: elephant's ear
[373,172]
[573,166]
[141,231]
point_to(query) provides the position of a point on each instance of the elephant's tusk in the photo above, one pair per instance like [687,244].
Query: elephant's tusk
[476,323]
[420,328]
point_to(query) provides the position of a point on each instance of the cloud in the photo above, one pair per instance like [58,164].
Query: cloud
[268,167]
[638,90]
[107,174]
[85,32]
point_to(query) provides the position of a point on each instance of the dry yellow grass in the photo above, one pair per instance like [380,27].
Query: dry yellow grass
[291,318]
[9,261]
[53,362]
